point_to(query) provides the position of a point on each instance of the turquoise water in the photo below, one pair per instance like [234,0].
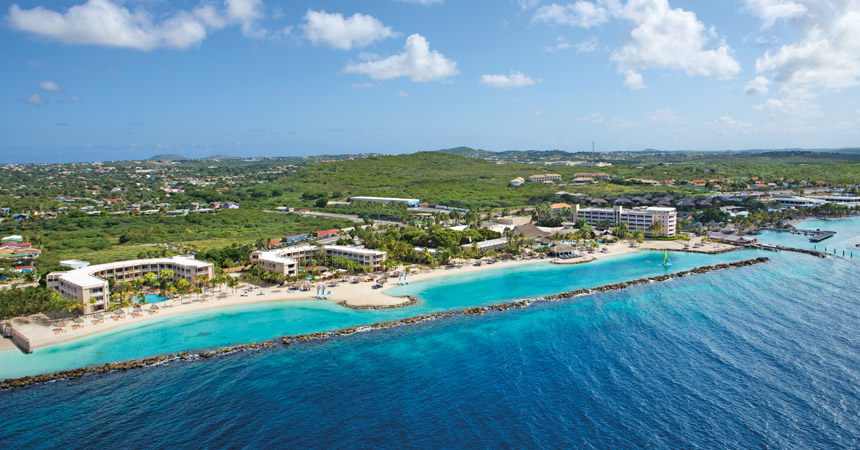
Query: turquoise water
[250,323]
[763,357]
[155,298]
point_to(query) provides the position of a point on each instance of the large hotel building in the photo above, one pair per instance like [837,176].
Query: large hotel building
[286,260]
[89,285]
[636,218]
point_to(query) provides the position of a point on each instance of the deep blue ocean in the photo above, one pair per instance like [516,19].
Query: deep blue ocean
[766,356]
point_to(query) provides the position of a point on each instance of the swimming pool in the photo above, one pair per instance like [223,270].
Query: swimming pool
[155,298]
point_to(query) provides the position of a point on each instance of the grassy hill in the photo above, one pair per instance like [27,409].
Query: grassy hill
[168,157]
[433,177]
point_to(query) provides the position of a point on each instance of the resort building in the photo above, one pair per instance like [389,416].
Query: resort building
[539,178]
[485,246]
[799,202]
[286,260]
[732,239]
[518,181]
[592,175]
[89,285]
[635,218]
[407,201]
[839,199]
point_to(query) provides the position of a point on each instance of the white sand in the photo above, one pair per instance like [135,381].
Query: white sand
[39,329]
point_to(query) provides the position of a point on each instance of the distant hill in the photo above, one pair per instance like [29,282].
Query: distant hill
[467,152]
[222,157]
[168,157]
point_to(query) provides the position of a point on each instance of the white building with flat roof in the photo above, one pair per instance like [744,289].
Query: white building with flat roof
[407,201]
[286,261]
[74,263]
[635,218]
[799,202]
[89,285]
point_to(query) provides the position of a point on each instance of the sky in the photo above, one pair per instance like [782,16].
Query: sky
[88,80]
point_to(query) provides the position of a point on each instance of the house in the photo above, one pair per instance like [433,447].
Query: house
[518,181]
[229,205]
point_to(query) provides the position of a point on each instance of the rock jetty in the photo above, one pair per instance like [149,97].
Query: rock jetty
[287,340]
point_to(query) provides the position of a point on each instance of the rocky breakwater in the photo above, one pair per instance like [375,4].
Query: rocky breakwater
[410,300]
[287,340]
[657,279]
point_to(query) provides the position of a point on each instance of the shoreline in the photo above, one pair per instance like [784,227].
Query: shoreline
[36,331]
[285,341]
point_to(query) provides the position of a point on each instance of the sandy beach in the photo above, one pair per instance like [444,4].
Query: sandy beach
[38,329]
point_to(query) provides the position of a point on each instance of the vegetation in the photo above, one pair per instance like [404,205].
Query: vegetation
[31,300]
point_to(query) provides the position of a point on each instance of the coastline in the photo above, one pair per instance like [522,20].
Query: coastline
[288,340]
[38,329]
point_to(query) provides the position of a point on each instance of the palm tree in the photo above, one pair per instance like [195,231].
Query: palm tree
[232,282]
[656,229]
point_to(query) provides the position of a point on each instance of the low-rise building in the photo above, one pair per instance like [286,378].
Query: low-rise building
[286,261]
[799,202]
[540,178]
[518,181]
[407,201]
[89,284]
[592,175]
[485,246]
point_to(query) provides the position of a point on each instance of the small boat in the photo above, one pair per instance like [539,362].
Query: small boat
[666,262]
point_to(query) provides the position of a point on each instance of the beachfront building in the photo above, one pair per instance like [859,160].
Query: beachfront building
[635,218]
[485,246]
[408,201]
[89,285]
[286,260]
[732,239]
[544,177]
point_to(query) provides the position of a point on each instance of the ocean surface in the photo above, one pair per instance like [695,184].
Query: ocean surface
[766,356]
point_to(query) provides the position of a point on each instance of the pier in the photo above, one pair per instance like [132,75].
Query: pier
[821,235]
[776,248]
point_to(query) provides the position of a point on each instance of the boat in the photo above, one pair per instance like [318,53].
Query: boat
[666,262]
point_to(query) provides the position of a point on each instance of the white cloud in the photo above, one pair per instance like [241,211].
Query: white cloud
[825,56]
[792,102]
[668,38]
[633,80]
[587,46]
[402,94]
[757,86]
[728,126]
[102,22]
[74,98]
[560,44]
[772,10]
[36,99]
[364,85]
[581,47]
[333,30]
[417,62]
[514,80]
[49,86]
[580,14]
[665,117]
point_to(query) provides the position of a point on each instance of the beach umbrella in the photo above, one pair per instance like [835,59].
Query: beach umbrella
[153,307]
[137,310]
[78,320]
[98,316]
[63,323]
[118,312]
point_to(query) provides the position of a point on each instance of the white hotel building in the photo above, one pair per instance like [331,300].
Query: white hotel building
[89,285]
[286,260]
[636,218]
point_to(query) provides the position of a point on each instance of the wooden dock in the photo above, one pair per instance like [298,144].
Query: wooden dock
[821,235]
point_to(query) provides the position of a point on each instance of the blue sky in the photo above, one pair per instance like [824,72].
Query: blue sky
[106,79]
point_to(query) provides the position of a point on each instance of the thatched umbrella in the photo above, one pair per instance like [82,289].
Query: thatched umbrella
[153,308]
[137,310]
[78,320]
[98,316]
[119,312]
